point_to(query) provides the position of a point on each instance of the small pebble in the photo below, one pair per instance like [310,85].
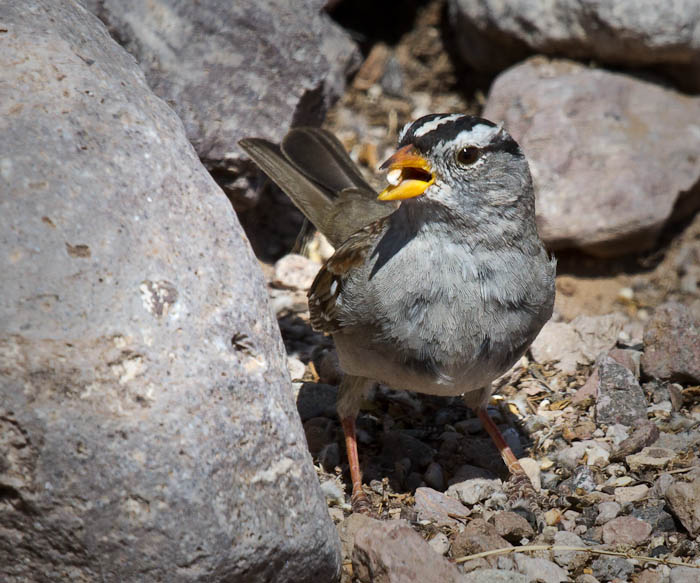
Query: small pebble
[472,491]
[606,512]
[625,495]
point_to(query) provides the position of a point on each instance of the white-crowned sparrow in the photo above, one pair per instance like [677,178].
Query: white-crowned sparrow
[440,294]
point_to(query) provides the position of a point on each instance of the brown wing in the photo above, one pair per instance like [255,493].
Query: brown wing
[328,285]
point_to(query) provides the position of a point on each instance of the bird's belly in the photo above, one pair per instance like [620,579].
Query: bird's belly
[447,332]
[390,364]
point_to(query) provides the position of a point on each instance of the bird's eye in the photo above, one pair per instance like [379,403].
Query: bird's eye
[468,155]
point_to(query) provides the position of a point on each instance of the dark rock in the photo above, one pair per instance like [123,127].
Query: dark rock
[392,552]
[575,125]
[235,69]
[620,398]
[672,344]
[654,515]
[147,426]
[468,472]
[329,456]
[413,481]
[320,432]
[317,400]
[610,568]
[397,445]
[434,476]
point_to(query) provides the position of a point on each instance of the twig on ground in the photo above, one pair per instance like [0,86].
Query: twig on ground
[555,548]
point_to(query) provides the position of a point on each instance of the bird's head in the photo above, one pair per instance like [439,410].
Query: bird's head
[462,162]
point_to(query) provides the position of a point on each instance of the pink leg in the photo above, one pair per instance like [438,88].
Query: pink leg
[522,486]
[360,502]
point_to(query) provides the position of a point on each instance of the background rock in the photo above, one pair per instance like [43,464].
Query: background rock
[672,344]
[492,34]
[577,342]
[235,69]
[611,156]
[147,427]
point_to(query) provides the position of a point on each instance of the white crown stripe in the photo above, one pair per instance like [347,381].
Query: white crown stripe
[480,135]
[433,124]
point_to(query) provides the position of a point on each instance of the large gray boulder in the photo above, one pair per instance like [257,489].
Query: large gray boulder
[232,69]
[613,158]
[492,34]
[147,426]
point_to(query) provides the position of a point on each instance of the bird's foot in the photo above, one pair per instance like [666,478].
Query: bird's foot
[360,503]
[524,499]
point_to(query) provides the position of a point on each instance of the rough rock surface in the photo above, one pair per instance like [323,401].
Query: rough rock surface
[147,427]
[491,34]
[392,552]
[626,530]
[620,398]
[611,156]
[684,500]
[672,344]
[234,69]
[577,342]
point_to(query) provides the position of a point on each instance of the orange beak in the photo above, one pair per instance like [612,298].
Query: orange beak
[409,175]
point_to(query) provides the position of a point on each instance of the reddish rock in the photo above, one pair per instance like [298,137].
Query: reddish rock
[626,530]
[392,552]
[628,358]
[575,125]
